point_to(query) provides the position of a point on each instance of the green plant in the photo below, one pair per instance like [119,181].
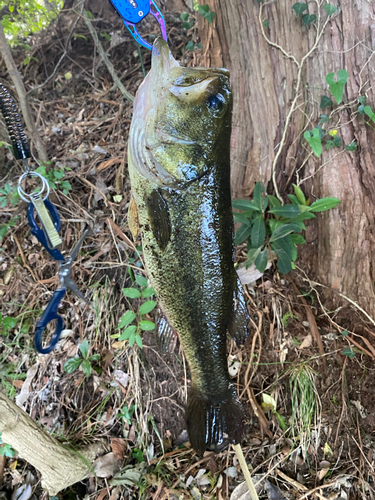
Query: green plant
[85,362]
[7,324]
[5,449]
[8,194]
[299,8]
[267,225]
[127,413]
[55,178]
[8,373]
[4,228]
[132,332]
[188,22]
[286,317]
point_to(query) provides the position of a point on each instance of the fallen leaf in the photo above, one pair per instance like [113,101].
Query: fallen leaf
[107,465]
[306,342]
[25,391]
[118,446]
[322,473]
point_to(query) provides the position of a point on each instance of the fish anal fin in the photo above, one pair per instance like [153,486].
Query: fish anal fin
[239,327]
[133,218]
[214,421]
[158,213]
[166,335]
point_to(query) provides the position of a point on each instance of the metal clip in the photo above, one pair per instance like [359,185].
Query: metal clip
[46,220]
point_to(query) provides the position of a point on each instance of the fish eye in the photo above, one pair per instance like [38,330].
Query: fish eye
[216,103]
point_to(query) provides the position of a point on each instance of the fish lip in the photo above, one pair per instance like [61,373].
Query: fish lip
[170,138]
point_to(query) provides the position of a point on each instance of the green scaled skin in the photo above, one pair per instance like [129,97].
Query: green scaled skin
[179,165]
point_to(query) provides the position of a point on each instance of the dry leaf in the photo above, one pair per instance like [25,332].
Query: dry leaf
[118,446]
[322,473]
[25,391]
[107,465]
[306,342]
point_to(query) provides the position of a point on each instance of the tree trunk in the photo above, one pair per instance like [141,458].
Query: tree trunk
[60,467]
[269,76]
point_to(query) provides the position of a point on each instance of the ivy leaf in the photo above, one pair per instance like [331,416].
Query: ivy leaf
[330,9]
[351,147]
[313,138]
[369,112]
[337,88]
[299,8]
[209,17]
[324,118]
[325,102]
[324,204]
[9,323]
[348,352]
[147,307]
[72,364]
[308,19]
[190,45]
[184,16]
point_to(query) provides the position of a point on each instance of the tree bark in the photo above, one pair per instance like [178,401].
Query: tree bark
[60,467]
[24,103]
[340,249]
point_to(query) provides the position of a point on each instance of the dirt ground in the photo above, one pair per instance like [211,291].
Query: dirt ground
[309,360]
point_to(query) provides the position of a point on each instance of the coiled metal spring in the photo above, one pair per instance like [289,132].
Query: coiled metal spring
[14,126]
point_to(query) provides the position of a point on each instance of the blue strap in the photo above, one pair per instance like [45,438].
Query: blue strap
[49,315]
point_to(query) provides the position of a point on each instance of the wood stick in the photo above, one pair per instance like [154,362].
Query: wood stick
[253,494]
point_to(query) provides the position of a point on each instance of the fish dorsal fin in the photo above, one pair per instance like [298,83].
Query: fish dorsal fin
[239,327]
[133,218]
[166,336]
[158,213]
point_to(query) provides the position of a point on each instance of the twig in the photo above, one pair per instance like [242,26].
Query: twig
[101,51]
[253,493]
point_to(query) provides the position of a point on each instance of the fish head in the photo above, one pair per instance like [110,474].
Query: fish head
[186,115]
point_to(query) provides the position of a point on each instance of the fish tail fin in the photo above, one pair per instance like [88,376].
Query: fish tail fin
[214,421]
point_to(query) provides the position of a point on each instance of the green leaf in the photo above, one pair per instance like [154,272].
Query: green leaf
[297,239]
[313,138]
[274,201]
[266,23]
[72,364]
[203,9]
[299,193]
[293,198]
[345,333]
[299,8]
[300,218]
[369,112]
[242,218]
[324,204]
[289,211]
[245,205]
[190,45]
[330,9]
[9,323]
[138,339]
[242,233]
[147,307]
[258,232]
[325,102]
[184,16]
[187,26]
[132,339]
[324,118]
[210,17]
[126,319]
[146,325]
[348,352]
[130,330]
[257,194]
[84,348]
[132,293]
[89,14]
[261,260]
[141,280]
[351,147]
[284,254]
[86,367]
[337,88]
[283,230]
[148,292]
[308,19]
[252,254]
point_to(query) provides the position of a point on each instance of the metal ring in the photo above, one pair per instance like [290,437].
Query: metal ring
[45,186]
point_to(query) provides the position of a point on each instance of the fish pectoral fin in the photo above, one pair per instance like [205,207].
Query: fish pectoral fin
[133,218]
[158,213]
[214,421]
[166,335]
[239,327]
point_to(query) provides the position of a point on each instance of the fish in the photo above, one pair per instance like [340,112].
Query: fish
[179,168]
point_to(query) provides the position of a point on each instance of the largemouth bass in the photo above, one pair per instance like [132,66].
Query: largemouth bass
[179,169]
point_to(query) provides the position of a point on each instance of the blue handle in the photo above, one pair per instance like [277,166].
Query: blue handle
[39,233]
[132,11]
[49,315]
